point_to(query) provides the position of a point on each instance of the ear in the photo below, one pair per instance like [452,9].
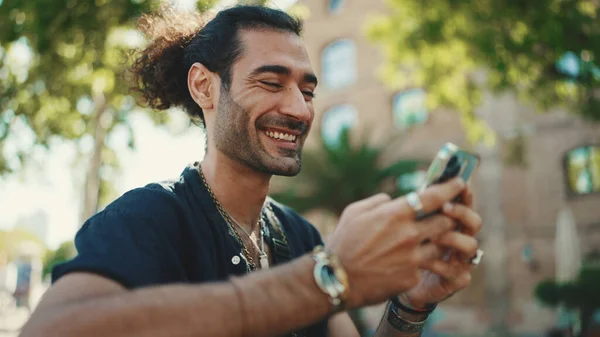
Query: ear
[200,84]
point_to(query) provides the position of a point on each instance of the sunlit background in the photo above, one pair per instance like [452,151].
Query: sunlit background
[517,83]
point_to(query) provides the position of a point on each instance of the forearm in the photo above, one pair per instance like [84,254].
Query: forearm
[386,329]
[275,304]
[261,304]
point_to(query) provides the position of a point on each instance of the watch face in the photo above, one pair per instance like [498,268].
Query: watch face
[328,281]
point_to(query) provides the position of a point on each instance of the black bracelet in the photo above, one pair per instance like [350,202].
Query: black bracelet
[402,324]
[396,301]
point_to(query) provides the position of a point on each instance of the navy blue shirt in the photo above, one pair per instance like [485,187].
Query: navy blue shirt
[172,232]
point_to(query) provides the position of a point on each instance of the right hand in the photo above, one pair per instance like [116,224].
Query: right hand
[379,242]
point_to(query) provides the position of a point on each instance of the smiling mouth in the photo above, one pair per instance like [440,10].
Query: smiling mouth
[281,136]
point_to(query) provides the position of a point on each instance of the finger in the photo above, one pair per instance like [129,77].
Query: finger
[466,197]
[465,244]
[457,276]
[372,202]
[432,199]
[462,281]
[435,196]
[428,252]
[470,221]
[446,270]
[434,226]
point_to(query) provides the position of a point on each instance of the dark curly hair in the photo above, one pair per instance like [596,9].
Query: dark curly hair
[178,40]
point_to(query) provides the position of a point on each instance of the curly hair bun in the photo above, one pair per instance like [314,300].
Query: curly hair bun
[157,69]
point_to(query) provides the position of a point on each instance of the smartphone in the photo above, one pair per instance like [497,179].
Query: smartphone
[450,162]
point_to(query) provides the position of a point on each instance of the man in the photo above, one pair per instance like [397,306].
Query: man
[210,254]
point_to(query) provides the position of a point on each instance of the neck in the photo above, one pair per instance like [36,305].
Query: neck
[240,190]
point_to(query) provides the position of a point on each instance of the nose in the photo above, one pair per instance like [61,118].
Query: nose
[294,105]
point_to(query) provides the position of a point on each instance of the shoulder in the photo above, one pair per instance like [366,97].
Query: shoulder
[153,210]
[135,240]
[297,225]
[151,201]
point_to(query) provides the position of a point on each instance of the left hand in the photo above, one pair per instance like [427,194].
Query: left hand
[441,278]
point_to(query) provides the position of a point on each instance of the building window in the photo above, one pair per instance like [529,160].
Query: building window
[335,121]
[339,64]
[409,108]
[335,5]
[582,167]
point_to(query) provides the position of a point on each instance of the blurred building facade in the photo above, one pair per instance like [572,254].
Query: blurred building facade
[541,164]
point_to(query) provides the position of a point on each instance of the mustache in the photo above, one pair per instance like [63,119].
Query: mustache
[283,122]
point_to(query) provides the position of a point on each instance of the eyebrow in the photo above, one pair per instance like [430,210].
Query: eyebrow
[281,70]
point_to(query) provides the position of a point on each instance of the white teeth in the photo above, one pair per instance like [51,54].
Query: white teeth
[283,136]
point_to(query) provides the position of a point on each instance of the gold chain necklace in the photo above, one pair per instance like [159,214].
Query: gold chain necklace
[229,220]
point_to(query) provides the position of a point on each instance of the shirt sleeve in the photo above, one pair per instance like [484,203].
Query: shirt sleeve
[124,245]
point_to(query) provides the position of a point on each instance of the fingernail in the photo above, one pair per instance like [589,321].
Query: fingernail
[448,207]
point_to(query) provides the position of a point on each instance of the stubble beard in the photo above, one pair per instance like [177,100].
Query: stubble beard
[233,138]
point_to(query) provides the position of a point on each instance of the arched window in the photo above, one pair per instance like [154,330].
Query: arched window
[335,121]
[582,167]
[339,64]
[409,108]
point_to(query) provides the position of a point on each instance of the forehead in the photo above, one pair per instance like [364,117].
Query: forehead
[273,47]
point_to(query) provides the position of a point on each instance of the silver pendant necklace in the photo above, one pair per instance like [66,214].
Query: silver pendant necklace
[263,257]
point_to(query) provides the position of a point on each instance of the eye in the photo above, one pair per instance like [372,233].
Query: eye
[271,84]
[309,94]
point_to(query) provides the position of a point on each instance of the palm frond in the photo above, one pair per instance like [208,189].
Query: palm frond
[334,176]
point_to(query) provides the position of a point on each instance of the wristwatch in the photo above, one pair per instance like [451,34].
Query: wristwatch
[331,277]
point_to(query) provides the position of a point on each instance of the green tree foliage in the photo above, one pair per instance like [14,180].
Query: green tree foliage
[442,45]
[582,294]
[74,53]
[332,177]
[62,67]
[63,253]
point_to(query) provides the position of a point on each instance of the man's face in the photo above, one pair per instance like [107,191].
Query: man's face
[263,119]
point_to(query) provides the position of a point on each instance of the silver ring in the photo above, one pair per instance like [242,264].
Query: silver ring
[476,260]
[415,203]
